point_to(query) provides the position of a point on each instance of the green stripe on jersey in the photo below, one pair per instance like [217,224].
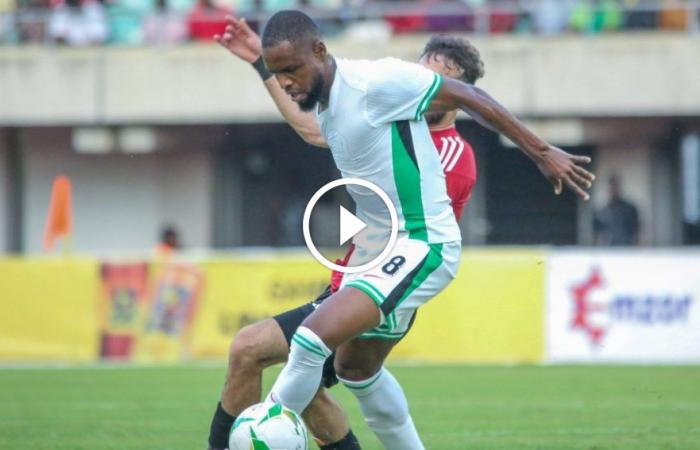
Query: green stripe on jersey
[432,262]
[384,336]
[428,97]
[368,289]
[408,186]
[376,296]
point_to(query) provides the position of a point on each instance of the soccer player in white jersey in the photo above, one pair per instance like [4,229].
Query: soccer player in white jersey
[267,342]
[371,114]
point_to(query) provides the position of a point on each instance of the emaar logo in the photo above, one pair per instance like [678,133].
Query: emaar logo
[595,317]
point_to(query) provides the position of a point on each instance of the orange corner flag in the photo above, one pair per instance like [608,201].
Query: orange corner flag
[59,222]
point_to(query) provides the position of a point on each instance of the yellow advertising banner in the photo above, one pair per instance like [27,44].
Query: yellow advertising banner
[242,291]
[123,301]
[171,310]
[147,310]
[80,310]
[48,310]
[492,312]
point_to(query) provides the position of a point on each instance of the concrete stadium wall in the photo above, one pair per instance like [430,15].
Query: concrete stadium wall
[128,197]
[120,201]
[611,75]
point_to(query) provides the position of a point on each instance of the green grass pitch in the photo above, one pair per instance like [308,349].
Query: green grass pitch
[454,407]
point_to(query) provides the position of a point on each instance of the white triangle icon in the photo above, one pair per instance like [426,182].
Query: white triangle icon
[350,225]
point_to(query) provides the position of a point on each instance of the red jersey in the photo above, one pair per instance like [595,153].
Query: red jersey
[459,164]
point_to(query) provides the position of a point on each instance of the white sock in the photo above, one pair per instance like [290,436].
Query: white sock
[298,382]
[385,408]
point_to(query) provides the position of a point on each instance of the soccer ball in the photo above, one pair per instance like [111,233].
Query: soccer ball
[268,426]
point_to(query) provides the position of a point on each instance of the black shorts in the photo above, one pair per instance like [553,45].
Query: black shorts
[290,320]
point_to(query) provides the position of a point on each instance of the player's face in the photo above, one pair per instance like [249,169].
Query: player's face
[445,67]
[299,71]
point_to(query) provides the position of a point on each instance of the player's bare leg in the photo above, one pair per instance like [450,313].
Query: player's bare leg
[255,348]
[360,359]
[326,420]
[344,315]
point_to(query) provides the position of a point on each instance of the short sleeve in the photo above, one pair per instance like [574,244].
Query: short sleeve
[398,90]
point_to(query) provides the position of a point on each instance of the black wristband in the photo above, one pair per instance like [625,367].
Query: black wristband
[259,66]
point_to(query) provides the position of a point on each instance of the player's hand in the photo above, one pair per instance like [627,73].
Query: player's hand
[240,40]
[562,168]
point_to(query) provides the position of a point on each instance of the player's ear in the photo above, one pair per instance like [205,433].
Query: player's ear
[319,49]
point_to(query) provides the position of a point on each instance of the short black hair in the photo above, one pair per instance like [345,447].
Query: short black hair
[167,231]
[459,51]
[289,25]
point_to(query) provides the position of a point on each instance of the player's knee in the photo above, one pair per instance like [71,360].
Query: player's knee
[246,350]
[356,370]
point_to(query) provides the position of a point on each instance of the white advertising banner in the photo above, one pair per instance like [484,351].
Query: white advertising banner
[633,307]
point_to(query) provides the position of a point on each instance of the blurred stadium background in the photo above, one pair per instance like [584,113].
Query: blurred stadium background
[151,202]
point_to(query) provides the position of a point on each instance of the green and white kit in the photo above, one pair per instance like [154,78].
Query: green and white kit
[375,129]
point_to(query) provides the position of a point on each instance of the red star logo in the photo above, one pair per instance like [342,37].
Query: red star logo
[584,307]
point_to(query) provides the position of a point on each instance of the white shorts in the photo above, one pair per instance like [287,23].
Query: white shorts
[414,272]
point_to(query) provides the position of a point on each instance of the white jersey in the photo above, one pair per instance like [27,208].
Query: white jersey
[375,129]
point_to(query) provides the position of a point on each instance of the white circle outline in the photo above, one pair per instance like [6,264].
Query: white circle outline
[392,214]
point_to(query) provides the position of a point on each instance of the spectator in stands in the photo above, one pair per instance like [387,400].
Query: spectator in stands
[205,20]
[7,29]
[502,18]
[31,20]
[126,20]
[618,223]
[164,25]
[674,16]
[594,16]
[411,21]
[78,23]
[550,16]
[641,14]
[461,18]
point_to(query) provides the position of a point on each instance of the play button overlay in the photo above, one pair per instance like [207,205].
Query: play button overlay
[331,222]
[350,225]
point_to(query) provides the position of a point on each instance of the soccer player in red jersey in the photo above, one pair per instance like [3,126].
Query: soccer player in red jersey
[455,58]
[260,345]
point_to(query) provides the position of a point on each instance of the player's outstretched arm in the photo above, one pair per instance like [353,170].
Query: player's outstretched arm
[242,42]
[558,166]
